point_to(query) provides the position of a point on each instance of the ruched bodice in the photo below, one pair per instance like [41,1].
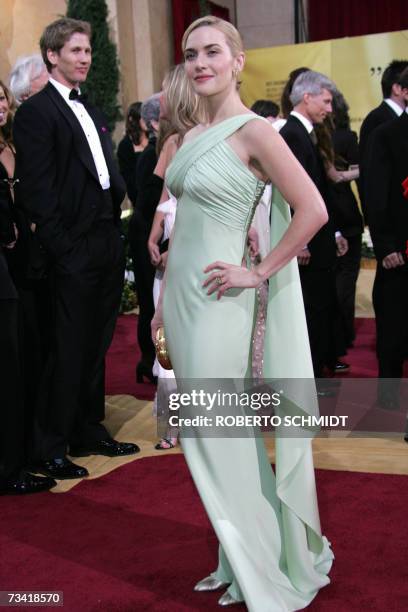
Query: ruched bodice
[217,195]
[217,180]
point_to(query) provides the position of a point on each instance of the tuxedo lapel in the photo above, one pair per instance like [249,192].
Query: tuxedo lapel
[305,134]
[81,143]
[103,134]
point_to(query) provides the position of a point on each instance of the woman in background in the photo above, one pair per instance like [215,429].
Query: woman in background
[130,148]
[148,189]
[181,109]
[13,478]
[348,215]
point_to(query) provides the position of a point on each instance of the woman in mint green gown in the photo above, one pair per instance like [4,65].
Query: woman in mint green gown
[272,553]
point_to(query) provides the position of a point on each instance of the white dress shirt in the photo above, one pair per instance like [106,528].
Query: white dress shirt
[308,124]
[90,132]
[395,107]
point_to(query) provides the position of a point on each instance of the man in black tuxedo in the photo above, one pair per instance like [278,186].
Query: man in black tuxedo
[311,97]
[387,209]
[390,108]
[71,189]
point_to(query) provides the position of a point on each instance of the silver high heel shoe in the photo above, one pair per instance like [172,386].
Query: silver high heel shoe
[210,584]
[227,600]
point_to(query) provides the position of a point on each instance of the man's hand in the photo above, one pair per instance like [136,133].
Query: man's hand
[342,246]
[304,257]
[11,245]
[393,260]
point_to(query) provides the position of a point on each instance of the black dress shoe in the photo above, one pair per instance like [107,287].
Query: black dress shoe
[61,469]
[341,367]
[26,483]
[144,371]
[109,448]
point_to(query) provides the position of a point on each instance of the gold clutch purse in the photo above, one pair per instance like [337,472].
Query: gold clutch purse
[162,352]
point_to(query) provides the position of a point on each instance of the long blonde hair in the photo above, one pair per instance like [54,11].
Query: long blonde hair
[6,136]
[185,109]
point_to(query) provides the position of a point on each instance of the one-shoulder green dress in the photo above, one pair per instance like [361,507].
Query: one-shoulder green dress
[272,551]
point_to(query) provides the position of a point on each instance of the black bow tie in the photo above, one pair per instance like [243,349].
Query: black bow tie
[75,95]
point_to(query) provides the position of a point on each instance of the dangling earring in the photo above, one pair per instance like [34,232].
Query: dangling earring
[235,73]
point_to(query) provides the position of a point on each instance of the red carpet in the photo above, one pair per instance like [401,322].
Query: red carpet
[124,354]
[362,357]
[138,539]
[121,362]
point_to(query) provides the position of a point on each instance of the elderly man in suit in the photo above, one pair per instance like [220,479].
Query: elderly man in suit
[28,76]
[311,97]
[71,189]
[387,170]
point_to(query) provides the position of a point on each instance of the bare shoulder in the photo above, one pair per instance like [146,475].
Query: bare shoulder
[171,144]
[172,140]
[257,129]
[194,132]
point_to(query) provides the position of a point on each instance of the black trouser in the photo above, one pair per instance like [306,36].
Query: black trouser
[144,273]
[12,407]
[319,296]
[390,300]
[85,286]
[347,269]
[34,334]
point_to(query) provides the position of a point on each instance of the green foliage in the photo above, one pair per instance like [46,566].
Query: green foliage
[125,230]
[102,84]
[129,297]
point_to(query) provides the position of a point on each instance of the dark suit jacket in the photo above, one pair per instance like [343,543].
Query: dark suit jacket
[59,187]
[348,217]
[379,115]
[323,245]
[128,159]
[149,187]
[376,117]
[388,167]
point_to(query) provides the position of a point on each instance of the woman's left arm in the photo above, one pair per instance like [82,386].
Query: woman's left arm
[342,176]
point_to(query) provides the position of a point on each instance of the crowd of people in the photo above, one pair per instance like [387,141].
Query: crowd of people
[56,223]
[317,130]
[215,247]
[62,265]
